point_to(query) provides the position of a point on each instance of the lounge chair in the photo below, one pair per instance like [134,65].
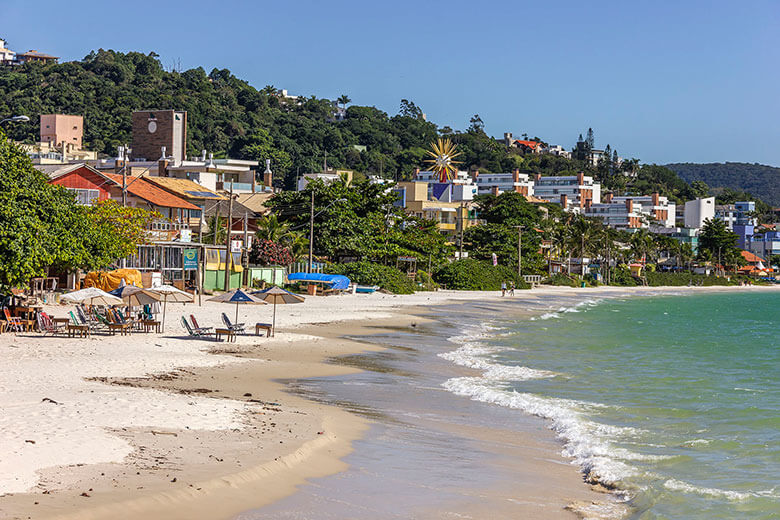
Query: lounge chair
[49,326]
[196,326]
[14,323]
[195,333]
[238,327]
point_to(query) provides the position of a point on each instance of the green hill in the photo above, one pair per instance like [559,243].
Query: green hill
[758,179]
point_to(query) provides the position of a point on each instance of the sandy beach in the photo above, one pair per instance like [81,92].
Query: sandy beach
[163,426]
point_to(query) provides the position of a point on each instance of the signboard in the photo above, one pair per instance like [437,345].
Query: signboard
[235,245]
[190,259]
[185,235]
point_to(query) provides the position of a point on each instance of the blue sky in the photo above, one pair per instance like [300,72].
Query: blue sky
[661,81]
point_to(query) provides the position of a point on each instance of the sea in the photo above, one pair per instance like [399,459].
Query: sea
[671,402]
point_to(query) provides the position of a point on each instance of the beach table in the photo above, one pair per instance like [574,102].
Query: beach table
[263,326]
[231,335]
[148,325]
[77,330]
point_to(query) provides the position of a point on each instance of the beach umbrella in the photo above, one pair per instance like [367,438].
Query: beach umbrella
[237,296]
[169,293]
[136,296]
[277,295]
[91,296]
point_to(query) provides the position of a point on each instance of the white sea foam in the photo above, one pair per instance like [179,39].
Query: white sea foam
[585,442]
[685,487]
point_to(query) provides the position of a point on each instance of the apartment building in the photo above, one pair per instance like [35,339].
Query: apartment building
[570,191]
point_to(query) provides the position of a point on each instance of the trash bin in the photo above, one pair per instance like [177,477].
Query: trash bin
[582,284]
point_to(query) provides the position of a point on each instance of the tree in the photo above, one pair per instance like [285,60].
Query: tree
[700,189]
[716,242]
[343,100]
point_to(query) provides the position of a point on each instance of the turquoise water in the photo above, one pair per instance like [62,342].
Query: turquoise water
[675,399]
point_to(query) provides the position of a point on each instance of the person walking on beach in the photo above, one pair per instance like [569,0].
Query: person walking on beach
[511,288]
[503,288]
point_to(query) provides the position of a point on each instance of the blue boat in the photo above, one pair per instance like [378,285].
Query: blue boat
[334,281]
[367,289]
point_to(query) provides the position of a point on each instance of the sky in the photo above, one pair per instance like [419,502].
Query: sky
[664,81]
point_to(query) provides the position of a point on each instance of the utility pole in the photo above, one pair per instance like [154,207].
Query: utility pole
[520,251]
[311,233]
[228,253]
[462,223]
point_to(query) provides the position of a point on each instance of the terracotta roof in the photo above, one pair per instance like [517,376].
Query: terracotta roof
[535,200]
[37,54]
[255,201]
[140,188]
[530,144]
[750,257]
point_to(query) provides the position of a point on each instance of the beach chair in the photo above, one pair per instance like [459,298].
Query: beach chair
[238,327]
[13,323]
[116,323]
[195,333]
[196,326]
[49,326]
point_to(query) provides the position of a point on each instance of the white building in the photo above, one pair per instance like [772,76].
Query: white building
[699,210]
[634,212]
[497,183]
[7,56]
[326,177]
[559,150]
[571,191]
[460,189]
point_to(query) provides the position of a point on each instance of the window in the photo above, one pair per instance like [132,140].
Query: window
[85,197]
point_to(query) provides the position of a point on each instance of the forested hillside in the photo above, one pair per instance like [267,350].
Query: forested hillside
[227,116]
[758,179]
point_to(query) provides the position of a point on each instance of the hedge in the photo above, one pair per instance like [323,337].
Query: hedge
[370,273]
[477,275]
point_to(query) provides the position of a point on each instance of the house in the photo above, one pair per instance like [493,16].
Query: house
[558,150]
[755,265]
[327,177]
[525,146]
[739,218]
[571,191]
[765,244]
[33,56]
[7,56]
[90,184]
[461,188]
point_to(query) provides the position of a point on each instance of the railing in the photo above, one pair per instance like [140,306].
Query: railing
[237,186]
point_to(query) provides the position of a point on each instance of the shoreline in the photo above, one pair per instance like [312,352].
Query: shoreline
[182,489]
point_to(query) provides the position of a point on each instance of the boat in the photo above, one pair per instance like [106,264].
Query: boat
[366,289]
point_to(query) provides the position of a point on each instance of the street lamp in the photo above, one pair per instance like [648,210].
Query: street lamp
[311,226]
[15,119]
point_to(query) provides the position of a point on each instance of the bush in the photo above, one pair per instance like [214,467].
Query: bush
[425,282]
[562,279]
[622,276]
[477,275]
[370,273]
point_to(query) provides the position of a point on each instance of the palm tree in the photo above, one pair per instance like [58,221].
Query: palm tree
[343,100]
[582,231]
[642,244]
[269,228]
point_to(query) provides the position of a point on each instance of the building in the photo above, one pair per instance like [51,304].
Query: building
[765,244]
[497,183]
[33,56]
[697,211]
[654,208]
[154,130]
[450,216]
[558,150]
[326,177]
[59,129]
[739,218]
[571,191]
[7,56]
[623,214]
[223,175]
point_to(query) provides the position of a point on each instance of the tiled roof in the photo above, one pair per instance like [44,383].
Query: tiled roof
[140,188]
[751,258]
[255,201]
[185,188]
[529,144]
[37,55]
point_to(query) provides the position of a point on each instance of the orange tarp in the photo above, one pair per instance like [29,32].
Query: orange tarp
[108,281]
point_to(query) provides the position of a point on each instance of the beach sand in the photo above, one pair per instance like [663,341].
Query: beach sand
[161,426]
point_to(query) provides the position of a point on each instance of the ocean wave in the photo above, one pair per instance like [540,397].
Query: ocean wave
[590,302]
[679,485]
[472,355]
[585,442]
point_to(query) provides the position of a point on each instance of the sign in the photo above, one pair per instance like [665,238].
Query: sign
[185,235]
[495,260]
[235,245]
[190,259]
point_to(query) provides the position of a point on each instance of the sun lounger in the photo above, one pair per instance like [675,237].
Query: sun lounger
[197,326]
[263,326]
[48,325]
[194,332]
[13,323]
[237,328]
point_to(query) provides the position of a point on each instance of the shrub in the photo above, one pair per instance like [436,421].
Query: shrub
[370,273]
[425,282]
[266,252]
[476,275]
[562,279]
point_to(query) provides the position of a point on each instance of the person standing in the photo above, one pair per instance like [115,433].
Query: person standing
[511,288]
[503,288]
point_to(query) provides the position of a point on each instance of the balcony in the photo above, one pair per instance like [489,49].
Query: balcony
[238,187]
